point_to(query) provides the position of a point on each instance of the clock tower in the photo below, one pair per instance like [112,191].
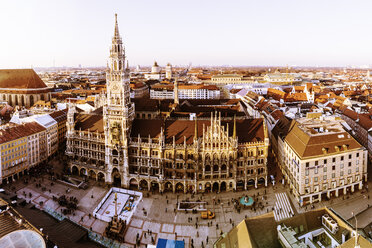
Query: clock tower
[118,114]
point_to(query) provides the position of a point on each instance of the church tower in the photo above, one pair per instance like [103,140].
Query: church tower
[118,114]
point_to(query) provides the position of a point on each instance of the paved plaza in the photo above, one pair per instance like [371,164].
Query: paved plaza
[157,217]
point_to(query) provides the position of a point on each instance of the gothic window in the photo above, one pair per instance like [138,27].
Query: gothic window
[215,168]
[207,168]
[223,167]
[114,152]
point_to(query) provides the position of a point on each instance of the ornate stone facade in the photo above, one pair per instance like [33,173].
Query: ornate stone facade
[163,154]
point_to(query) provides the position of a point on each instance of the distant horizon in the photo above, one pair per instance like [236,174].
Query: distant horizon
[202,66]
[41,33]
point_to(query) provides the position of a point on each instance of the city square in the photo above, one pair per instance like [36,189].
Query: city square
[141,124]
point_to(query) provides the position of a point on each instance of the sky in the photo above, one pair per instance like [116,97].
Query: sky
[46,33]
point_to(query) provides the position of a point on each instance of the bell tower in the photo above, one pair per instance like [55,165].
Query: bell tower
[118,113]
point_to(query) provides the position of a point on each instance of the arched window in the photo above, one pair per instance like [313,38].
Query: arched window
[31,100]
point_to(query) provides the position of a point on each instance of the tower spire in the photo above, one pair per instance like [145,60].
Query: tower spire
[116,34]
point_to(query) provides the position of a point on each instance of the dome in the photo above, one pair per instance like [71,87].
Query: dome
[23,238]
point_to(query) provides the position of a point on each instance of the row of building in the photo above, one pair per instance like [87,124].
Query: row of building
[29,141]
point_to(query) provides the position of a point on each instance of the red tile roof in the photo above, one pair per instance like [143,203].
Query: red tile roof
[20,79]
[19,131]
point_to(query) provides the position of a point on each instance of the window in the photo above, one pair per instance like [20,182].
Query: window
[341,173]
[357,154]
[307,164]
[357,169]
[341,166]
[357,162]
[306,172]
[316,163]
[334,160]
[342,158]
[325,169]
[349,164]
[333,175]
[306,181]
[333,167]
[325,161]
[315,179]
[349,156]
[316,170]
[325,177]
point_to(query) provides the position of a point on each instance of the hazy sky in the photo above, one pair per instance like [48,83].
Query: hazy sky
[205,32]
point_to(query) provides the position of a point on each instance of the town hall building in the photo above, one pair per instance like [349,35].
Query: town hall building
[163,153]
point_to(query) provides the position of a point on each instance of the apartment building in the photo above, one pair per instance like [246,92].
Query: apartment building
[319,159]
[15,146]
[185,91]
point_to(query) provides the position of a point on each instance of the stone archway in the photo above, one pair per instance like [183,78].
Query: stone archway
[261,181]
[240,185]
[208,187]
[216,187]
[100,177]
[133,184]
[116,178]
[143,185]
[92,174]
[75,171]
[168,187]
[179,187]
[223,186]
[83,172]
[250,183]
[154,186]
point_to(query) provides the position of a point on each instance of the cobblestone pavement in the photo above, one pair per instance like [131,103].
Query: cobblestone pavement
[156,213]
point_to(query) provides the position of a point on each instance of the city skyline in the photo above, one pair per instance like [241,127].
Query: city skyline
[272,33]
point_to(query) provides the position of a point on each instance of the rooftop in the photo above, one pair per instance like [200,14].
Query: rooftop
[315,137]
[20,79]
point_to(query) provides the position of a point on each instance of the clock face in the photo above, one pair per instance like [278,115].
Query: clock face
[115,87]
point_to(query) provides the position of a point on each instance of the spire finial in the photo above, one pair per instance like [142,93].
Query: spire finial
[116,34]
